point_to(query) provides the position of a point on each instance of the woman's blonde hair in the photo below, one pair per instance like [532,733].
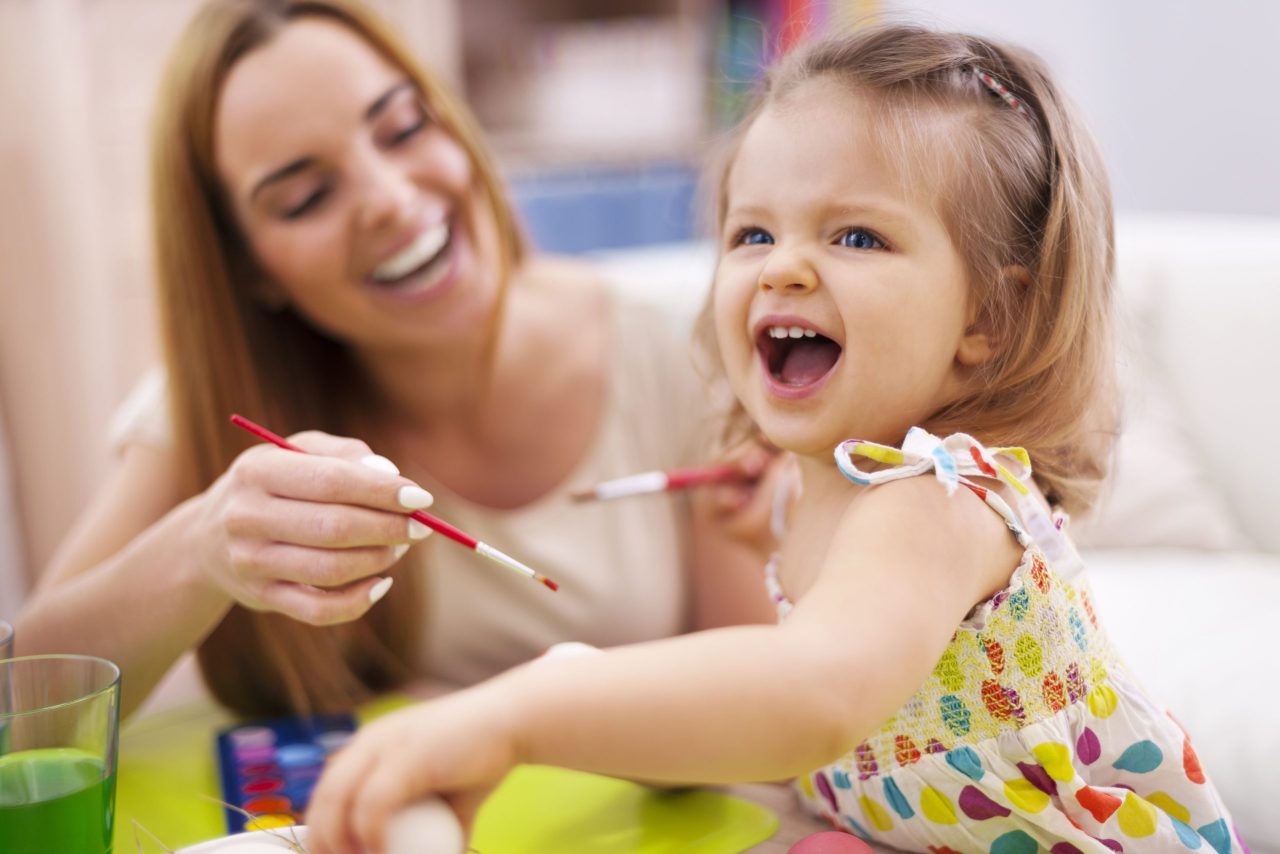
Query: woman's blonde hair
[227,351]
[1025,197]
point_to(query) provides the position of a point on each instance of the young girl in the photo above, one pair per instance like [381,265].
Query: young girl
[916,240]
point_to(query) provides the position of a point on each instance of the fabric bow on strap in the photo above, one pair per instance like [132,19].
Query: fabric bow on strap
[954,460]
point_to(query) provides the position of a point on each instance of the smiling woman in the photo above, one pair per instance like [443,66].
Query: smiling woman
[335,253]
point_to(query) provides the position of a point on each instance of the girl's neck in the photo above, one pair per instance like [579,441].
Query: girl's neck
[822,485]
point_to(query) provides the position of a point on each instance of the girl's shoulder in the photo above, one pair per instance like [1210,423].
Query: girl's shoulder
[954,533]
[922,510]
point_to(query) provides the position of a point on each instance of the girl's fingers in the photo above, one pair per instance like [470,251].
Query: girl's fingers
[466,805]
[331,802]
[324,607]
[381,793]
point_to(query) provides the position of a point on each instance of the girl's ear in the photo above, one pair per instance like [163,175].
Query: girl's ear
[980,342]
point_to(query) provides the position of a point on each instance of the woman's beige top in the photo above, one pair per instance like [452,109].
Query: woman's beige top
[622,565]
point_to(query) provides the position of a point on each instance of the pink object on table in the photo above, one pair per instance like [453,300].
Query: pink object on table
[831,842]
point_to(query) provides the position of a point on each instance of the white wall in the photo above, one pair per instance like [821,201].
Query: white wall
[1184,97]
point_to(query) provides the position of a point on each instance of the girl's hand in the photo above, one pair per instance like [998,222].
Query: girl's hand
[458,747]
[743,509]
[307,535]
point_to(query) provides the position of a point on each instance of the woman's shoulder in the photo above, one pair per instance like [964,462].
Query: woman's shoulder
[142,418]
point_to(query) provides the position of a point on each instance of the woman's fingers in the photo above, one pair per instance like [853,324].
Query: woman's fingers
[329,526]
[323,607]
[365,480]
[325,568]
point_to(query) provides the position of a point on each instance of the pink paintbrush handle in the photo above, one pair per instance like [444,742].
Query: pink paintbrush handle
[432,522]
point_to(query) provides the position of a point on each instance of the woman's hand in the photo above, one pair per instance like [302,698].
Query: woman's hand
[458,747]
[307,535]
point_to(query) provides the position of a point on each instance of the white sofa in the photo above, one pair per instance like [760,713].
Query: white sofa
[1185,548]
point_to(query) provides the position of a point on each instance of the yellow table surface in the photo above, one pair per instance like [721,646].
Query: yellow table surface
[167,784]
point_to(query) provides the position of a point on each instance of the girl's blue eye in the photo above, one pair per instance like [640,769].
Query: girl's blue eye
[753,237]
[860,238]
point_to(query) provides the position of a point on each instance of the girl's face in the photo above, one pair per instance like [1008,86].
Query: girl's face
[359,207]
[840,303]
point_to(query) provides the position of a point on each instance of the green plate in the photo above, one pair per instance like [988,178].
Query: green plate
[168,779]
[538,809]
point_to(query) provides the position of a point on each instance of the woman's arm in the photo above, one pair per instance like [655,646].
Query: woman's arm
[124,585]
[142,578]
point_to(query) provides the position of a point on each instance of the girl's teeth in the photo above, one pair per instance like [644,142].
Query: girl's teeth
[791,332]
[423,249]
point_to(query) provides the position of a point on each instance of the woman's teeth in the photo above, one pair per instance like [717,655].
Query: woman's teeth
[790,332]
[417,254]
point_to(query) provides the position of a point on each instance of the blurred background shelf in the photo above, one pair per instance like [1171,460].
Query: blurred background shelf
[603,115]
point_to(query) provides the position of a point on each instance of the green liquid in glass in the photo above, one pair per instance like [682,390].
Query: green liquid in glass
[55,801]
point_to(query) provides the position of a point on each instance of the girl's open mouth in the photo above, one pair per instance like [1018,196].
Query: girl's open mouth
[797,359]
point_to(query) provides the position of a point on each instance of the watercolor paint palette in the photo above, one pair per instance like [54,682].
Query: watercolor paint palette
[269,767]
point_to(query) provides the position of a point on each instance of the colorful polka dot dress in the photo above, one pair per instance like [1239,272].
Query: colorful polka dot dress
[1030,735]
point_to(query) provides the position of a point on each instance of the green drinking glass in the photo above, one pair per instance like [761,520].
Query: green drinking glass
[59,728]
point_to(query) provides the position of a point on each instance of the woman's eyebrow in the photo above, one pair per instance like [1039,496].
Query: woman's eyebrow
[371,112]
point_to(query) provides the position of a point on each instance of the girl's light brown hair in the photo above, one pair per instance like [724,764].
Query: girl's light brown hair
[226,351]
[1025,198]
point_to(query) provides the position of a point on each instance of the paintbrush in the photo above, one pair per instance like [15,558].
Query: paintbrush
[658,481]
[432,522]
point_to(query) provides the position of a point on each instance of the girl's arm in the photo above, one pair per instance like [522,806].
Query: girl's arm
[759,703]
[733,704]
[732,541]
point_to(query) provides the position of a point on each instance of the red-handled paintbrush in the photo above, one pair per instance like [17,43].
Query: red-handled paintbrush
[435,524]
[658,481]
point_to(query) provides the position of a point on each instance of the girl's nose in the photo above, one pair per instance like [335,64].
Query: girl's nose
[787,269]
[388,191]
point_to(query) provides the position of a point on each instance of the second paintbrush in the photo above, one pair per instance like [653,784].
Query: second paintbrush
[658,481]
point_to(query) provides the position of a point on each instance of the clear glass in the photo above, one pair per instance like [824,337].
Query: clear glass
[59,730]
[6,640]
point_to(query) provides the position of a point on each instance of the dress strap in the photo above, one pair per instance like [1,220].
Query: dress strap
[954,460]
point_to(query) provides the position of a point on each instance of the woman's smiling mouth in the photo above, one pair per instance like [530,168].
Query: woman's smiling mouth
[419,267]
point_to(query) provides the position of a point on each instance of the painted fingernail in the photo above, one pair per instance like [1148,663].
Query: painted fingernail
[398,551]
[380,463]
[417,530]
[415,497]
[380,589]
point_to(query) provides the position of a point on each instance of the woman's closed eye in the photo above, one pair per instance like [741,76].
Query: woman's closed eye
[308,204]
[406,131]
[859,238]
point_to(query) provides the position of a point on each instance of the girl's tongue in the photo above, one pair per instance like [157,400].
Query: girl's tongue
[799,361]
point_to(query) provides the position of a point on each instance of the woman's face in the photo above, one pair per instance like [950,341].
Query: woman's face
[361,209]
